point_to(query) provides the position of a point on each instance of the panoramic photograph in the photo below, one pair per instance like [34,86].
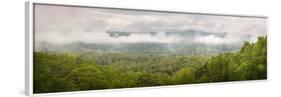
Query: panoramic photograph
[80,48]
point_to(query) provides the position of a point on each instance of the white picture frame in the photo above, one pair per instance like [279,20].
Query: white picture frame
[29,41]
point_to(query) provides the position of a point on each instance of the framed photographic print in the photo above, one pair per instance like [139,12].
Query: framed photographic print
[74,48]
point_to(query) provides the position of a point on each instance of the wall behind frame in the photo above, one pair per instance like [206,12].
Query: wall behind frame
[12,48]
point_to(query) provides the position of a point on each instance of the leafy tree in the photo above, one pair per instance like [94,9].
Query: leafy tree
[184,76]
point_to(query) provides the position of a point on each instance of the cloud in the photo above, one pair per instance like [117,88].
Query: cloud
[65,24]
[211,39]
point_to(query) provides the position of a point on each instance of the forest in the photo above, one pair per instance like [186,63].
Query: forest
[68,71]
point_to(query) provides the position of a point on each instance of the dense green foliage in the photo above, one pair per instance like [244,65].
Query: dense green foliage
[57,72]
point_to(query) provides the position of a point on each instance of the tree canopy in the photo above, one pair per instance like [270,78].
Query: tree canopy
[57,72]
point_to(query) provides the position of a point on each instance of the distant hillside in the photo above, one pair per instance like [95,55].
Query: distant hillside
[187,42]
[141,48]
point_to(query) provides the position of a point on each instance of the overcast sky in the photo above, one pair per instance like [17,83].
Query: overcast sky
[65,24]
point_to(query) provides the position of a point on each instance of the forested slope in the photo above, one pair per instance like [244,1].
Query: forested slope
[57,72]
